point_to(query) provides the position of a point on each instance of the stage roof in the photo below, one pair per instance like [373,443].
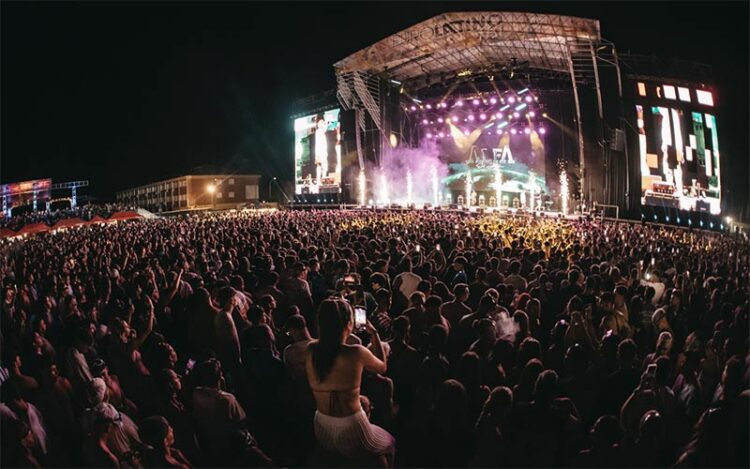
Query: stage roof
[454,41]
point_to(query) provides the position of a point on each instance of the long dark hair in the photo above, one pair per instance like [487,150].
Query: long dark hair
[333,317]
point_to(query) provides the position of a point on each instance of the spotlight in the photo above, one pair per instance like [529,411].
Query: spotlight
[529,99]
[701,222]
[455,119]
[414,108]
[711,225]
[471,117]
[459,103]
[527,131]
[499,115]
[493,101]
[425,121]
[513,131]
[483,116]
[542,130]
[429,135]
[466,132]
[728,220]
[512,99]
[441,135]
[429,106]
[440,119]
[667,217]
[211,188]
[544,114]
[678,219]
[475,102]
[516,115]
[532,114]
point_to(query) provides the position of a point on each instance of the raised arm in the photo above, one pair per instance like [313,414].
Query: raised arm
[373,360]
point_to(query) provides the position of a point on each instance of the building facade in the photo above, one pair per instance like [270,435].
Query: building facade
[205,191]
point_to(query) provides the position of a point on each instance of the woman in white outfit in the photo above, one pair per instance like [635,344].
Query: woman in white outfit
[334,371]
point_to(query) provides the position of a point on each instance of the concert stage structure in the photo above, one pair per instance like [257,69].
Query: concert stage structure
[509,110]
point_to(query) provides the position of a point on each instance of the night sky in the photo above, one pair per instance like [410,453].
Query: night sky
[126,93]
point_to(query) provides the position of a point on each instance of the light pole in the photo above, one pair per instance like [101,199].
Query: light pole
[212,190]
[269,187]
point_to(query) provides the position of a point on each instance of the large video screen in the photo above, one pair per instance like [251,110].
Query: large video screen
[679,147]
[317,153]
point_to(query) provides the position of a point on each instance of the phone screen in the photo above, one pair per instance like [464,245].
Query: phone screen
[360,317]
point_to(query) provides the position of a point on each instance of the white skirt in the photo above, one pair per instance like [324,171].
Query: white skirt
[353,436]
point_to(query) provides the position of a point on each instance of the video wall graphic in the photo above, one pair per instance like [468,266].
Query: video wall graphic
[679,147]
[317,153]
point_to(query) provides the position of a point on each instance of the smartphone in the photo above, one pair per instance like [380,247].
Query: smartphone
[437,247]
[651,370]
[360,317]
[190,364]
[418,248]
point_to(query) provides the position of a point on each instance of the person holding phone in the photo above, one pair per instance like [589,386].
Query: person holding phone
[334,372]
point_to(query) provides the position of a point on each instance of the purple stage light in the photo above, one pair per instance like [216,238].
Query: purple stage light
[529,99]
[512,99]
[483,116]
[466,132]
[471,117]
[441,135]
[428,106]
[499,115]
[542,130]
[440,119]
[459,103]
[475,102]
[414,108]
[455,119]
[493,101]
[429,135]
[513,131]
[516,115]
[425,121]
[527,131]
[532,114]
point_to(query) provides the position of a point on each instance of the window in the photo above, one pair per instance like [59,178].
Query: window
[231,182]
[218,195]
[684,94]
[231,195]
[669,92]
[251,192]
[641,88]
[705,97]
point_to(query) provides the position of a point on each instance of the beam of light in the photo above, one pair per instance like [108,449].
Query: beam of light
[505,108]
[523,91]
[498,185]
[532,189]
[408,187]
[520,106]
[362,187]
[383,188]
[468,188]
[434,186]
[564,191]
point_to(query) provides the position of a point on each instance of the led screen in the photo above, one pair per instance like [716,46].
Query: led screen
[679,150]
[317,153]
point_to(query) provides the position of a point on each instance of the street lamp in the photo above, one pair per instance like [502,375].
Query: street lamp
[211,188]
[269,188]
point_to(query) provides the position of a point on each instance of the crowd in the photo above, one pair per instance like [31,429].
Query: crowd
[50,217]
[201,340]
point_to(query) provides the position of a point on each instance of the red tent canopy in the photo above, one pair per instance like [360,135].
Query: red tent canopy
[68,222]
[126,215]
[7,233]
[34,228]
[98,219]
